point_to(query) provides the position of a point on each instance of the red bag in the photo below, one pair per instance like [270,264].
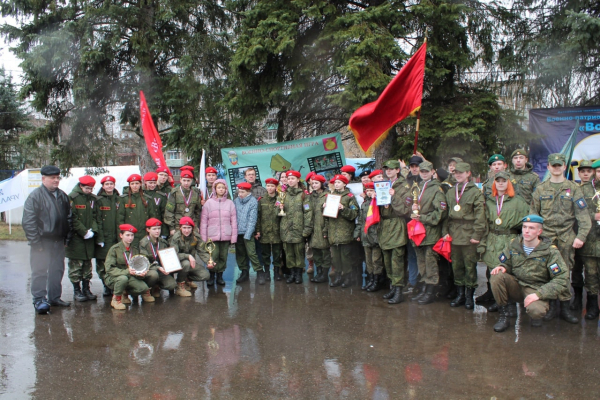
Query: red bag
[444,248]
[416,231]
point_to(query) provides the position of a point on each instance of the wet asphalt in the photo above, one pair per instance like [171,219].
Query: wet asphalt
[280,341]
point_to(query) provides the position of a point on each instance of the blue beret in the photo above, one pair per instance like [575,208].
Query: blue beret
[533,218]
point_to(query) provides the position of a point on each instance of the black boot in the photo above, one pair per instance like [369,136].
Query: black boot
[566,313]
[267,274]
[260,277]
[346,281]
[503,321]
[86,290]
[591,307]
[469,302]
[377,283]
[512,310]
[536,323]
[486,297]
[577,299]
[220,280]
[298,278]
[292,276]
[390,294]
[277,273]
[337,281]
[459,300]
[368,282]
[552,311]
[429,295]
[323,277]
[452,291]
[397,297]
[211,279]
[421,293]
[493,308]
[107,292]
[319,275]
[77,295]
[244,276]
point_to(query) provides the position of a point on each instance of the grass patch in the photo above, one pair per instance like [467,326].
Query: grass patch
[17,232]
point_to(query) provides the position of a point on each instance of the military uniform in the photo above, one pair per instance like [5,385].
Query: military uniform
[369,241]
[150,250]
[117,272]
[590,252]
[340,234]
[108,231]
[525,181]
[158,206]
[176,207]
[267,224]
[135,210]
[194,246]
[165,189]
[295,227]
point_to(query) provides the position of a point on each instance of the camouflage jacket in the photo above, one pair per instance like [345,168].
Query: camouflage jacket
[158,205]
[368,239]
[267,222]
[176,207]
[83,207]
[296,226]
[543,270]
[148,249]
[318,239]
[192,245]
[591,248]
[525,181]
[433,211]
[391,231]
[340,230]
[115,263]
[135,213]
[469,222]
[106,218]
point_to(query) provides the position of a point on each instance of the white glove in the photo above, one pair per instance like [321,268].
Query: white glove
[89,234]
[101,244]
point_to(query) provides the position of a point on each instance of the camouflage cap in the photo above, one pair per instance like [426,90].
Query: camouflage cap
[494,158]
[596,164]
[556,159]
[503,175]
[585,164]
[455,159]
[462,167]
[519,152]
[391,164]
[533,218]
[426,166]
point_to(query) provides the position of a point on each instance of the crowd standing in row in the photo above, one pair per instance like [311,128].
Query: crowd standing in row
[537,239]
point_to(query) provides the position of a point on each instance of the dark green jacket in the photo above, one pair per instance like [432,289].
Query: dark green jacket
[135,213]
[561,209]
[499,236]
[192,245]
[368,239]
[468,223]
[115,263]
[83,207]
[175,208]
[433,211]
[158,204]
[267,222]
[318,239]
[340,230]
[391,231]
[296,226]
[106,218]
[525,181]
[146,249]
[543,270]
[591,248]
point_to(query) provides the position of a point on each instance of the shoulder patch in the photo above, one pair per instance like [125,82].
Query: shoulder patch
[443,205]
[581,203]
[502,258]
[555,269]
[307,206]
[170,207]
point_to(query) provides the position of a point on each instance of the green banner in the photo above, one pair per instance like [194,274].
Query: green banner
[322,154]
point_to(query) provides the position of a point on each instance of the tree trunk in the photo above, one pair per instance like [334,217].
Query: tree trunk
[281,114]
[147,164]
[386,149]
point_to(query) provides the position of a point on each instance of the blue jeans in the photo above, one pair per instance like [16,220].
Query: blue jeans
[413,268]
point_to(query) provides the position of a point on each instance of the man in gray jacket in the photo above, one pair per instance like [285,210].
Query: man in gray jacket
[47,225]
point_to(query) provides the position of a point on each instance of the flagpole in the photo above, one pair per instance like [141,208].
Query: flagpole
[419,112]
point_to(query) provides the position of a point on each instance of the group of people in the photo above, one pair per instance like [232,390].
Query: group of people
[537,239]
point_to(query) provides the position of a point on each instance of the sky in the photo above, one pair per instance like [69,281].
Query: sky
[8,59]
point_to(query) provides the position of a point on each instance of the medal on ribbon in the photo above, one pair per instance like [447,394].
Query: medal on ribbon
[186,201]
[457,206]
[498,220]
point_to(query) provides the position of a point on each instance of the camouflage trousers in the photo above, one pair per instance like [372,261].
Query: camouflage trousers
[294,255]
[341,257]
[322,257]
[373,259]
[245,253]
[394,261]
[427,260]
[274,250]
[592,270]
[567,251]
[80,270]
[100,270]
[464,265]
[505,288]
[198,273]
[134,285]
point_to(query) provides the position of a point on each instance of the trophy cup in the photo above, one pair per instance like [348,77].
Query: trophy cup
[415,192]
[281,197]
[210,247]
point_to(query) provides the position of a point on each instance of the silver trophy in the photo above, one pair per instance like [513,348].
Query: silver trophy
[139,264]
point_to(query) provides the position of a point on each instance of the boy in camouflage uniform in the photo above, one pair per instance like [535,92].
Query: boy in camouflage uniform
[159,201]
[373,255]
[318,240]
[267,230]
[522,176]
[183,201]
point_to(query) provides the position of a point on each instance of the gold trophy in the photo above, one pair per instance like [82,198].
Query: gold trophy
[597,197]
[281,197]
[210,247]
[415,192]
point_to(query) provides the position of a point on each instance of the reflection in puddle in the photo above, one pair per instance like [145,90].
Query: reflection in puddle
[142,352]
[172,341]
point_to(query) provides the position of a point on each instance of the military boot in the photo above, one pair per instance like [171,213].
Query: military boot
[503,320]
[460,299]
[323,277]
[536,323]
[117,304]
[427,297]
[244,276]
[86,290]
[552,311]
[292,276]
[220,280]
[397,298]
[180,290]
[211,279]
[469,303]
[577,299]
[512,310]
[591,307]
[77,295]
[452,291]
[125,298]
[277,273]
[390,294]
[298,277]
[337,280]
[260,277]
[368,282]
[147,297]
[347,280]
[486,297]
[493,308]
[156,291]
[267,269]
[566,313]
[316,278]
[107,292]
[421,293]
[377,283]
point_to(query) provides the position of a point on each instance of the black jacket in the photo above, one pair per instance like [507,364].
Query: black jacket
[45,216]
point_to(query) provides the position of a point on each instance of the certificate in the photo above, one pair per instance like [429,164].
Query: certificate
[332,206]
[382,192]
[169,260]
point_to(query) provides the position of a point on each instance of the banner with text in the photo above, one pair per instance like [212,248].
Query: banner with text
[555,125]
[11,194]
[322,154]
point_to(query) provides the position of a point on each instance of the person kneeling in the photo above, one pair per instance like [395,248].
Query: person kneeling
[191,250]
[123,279]
[149,247]
[531,270]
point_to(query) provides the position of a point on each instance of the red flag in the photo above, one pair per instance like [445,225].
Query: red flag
[401,98]
[372,215]
[151,135]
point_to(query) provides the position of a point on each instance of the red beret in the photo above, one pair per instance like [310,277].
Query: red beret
[153,222]
[244,186]
[294,173]
[272,181]
[369,185]
[375,173]
[150,176]
[134,177]
[309,176]
[162,169]
[187,174]
[187,168]
[319,178]
[349,169]
[128,228]
[341,178]
[211,170]
[108,178]
[87,181]
[186,221]
[332,180]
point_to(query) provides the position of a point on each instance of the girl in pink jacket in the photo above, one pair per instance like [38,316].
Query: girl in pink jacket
[218,223]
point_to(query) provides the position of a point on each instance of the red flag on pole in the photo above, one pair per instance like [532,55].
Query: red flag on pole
[400,99]
[373,216]
[151,135]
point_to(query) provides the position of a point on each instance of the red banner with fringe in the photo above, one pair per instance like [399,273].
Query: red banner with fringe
[153,141]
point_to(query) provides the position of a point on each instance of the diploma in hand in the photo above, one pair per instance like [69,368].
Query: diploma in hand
[332,206]
[382,193]
[169,260]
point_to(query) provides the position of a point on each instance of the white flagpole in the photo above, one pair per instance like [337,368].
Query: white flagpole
[202,178]
[9,224]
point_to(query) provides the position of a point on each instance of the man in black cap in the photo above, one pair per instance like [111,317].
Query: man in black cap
[47,225]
